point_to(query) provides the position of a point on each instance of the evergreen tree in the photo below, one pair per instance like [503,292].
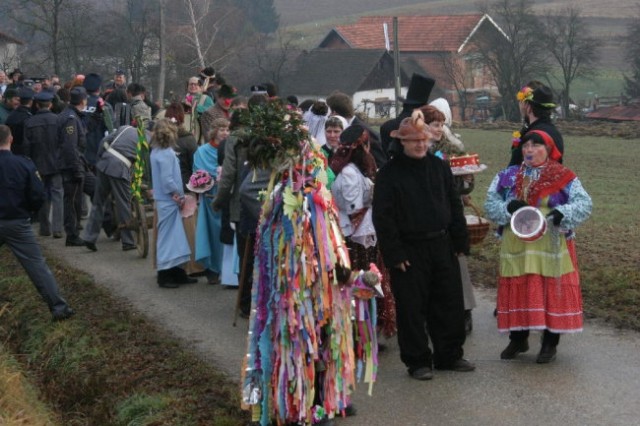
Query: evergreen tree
[632,81]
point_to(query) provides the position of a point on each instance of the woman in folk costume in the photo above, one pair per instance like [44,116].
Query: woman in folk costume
[300,365]
[538,284]
[185,149]
[352,192]
[209,249]
[172,246]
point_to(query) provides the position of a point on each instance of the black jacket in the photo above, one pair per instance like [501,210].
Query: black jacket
[41,142]
[73,140]
[414,199]
[21,190]
[545,125]
[15,121]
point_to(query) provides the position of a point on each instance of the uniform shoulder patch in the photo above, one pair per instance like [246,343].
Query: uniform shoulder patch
[70,129]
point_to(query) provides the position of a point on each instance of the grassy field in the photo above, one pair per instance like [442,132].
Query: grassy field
[608,243]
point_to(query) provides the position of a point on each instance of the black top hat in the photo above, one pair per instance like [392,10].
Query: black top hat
[419,90]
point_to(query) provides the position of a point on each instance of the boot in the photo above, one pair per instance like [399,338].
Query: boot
[165,279]
[515,347]
[548,350]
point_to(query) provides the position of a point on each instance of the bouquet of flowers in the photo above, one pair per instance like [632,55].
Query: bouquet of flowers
[200,181]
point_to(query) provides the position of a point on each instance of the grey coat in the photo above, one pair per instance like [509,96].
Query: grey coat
[235,156]
[124,141]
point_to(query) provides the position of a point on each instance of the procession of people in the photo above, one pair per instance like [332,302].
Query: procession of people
[310,213]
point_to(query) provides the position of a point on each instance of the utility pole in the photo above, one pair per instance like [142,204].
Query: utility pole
[396,65]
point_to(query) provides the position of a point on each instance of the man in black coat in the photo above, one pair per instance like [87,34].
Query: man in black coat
[42,146]
[421,228]
[17,118]
[417,95]
[21,194]
[536,106]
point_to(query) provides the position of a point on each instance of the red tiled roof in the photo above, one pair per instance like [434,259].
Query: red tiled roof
[629,112]
[415,33]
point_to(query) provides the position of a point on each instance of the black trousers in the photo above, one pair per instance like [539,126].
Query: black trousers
[72,194]
[429,303]
[245,295]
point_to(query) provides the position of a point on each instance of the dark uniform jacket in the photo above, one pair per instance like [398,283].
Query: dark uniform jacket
[73,140]
[416,200]
[41,142]
[15,121]
[545,125]
[21,190]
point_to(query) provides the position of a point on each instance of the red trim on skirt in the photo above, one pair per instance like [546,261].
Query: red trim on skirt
[534,302]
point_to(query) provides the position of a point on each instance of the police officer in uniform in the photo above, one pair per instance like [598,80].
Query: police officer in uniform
[21,193]
[73,140]
[17,118]
[41,145]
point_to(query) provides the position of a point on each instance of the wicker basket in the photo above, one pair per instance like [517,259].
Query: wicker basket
[477,231]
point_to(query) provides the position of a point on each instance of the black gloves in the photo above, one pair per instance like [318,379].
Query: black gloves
[515,205]
[556,216]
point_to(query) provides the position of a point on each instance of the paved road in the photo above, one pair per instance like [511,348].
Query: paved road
[594,381]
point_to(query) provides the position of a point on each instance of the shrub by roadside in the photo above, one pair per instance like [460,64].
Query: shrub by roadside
[108,365]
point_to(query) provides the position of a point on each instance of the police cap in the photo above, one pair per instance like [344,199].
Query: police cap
[44,96]
[25,93]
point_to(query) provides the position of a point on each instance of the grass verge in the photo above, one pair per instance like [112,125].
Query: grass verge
[110,366]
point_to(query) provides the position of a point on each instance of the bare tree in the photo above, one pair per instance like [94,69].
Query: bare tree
[273,58]
[456,72]
[42,18]
[516,59]
[571,45]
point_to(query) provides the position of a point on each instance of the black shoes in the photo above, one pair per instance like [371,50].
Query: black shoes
[91,246]
[172,278]
[422,373]
[74,242]
[64,314]
[127,247]
[57,235]
[546,355]
[460,365]
[514,348]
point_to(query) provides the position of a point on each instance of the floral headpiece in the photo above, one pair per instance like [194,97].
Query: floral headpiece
[525,94]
